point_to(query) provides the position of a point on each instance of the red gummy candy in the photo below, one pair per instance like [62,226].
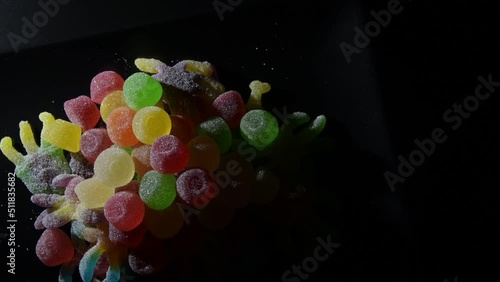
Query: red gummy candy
[82,112]
[54,247]
[125,210]
[230,107]
[196,187]
[103,84]
[168,154]
[93,142]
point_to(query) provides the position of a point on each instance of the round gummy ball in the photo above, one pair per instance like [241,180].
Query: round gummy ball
[141,90]
[124,210]
[168,154]
[150,123]
[54,247]
[93,142]
[217,129]
[230,107]
[259,128]
[104,83]
[119,126]
[114,167]
[157,190]
[196,187]
[82,111]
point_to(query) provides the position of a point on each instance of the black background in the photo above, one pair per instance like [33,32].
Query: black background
[439,224]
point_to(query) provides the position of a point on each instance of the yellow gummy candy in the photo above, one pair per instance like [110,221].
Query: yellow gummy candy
[150,123]
[199,67]
[8,150]
[255,100]
[60,133]
[114,167]
[148,65]
[112,101]
[93,194]
[27,137]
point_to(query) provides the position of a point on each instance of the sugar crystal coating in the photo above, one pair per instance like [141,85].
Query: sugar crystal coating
[54,247]
[114,167]
[196,187]
[157,190]
[218,130]
[82,111]
[124,210]
[150,123]
[259,128]
[109,103]
[119,126]
[230,107]
[104,83]
[168,154]
[93,142]
[141,90]
[61,133]
[92,193]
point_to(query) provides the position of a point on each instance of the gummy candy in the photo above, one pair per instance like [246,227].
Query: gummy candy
[54,239]
[137,155]
[82,111]
[93,142]
[168,154]
[150,123]
[124,210]
[157,190]
[230,107]
[93,194]
[104,83]
[141,90]
[196,187]
[259,128]
[60,133]
[119,126]
[114,167]
[109,103]
[258,89]
[40,165]
[219,131]
[141,157]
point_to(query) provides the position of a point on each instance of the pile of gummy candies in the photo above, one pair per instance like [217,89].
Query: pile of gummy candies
[135,151]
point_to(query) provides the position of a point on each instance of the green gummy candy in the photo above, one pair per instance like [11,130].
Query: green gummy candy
[38,169]
[218,130]
[259,128]
[157,190]
[141,90]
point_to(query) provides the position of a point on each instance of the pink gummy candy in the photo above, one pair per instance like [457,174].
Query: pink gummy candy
[103,84]
[93,142]
[82,112]
[230,107]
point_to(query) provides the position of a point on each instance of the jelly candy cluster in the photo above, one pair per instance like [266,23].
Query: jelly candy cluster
[136,150]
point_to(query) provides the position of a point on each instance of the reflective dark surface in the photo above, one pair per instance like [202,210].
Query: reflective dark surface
[440,223]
